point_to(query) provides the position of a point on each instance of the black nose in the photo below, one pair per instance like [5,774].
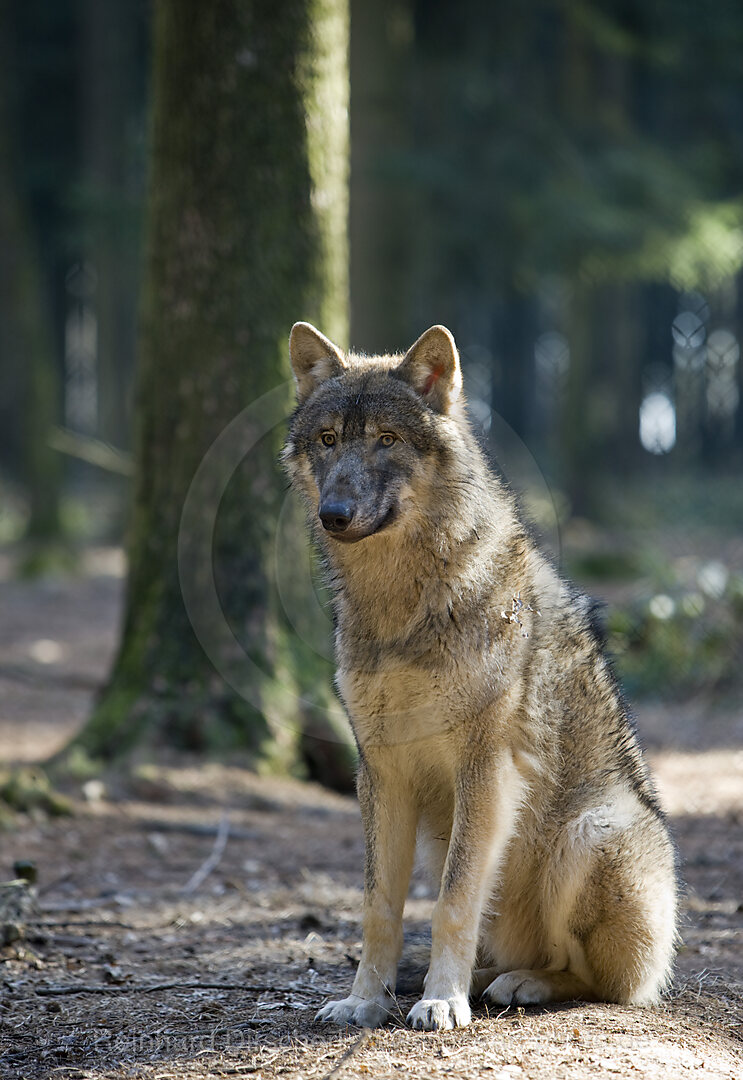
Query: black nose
[336,516]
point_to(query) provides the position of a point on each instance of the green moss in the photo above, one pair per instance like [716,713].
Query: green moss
[28,789]
[76,764]
[40,559]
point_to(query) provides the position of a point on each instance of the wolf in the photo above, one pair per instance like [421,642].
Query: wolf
[489,725]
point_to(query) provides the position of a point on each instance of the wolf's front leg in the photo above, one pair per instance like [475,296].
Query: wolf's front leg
[390,819]
[489,791]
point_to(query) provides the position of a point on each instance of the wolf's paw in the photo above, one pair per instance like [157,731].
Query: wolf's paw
[354,1010]
[434,1014]
[518,988]
[536,988]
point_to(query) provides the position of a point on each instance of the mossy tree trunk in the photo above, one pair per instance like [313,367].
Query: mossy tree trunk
[246,234]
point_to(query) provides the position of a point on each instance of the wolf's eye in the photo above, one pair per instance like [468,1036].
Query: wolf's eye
[328,438]
[387,439]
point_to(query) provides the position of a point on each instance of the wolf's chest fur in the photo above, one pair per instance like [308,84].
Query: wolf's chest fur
[436,675]
[414,666]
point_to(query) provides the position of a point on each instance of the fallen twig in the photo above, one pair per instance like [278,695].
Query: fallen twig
[193,828]
[211,862]
[77,905]
[353,1049]
[45,924]
[138,988]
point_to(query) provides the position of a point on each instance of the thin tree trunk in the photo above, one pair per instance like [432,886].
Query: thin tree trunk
[26,340]
[381,205]
[112,100]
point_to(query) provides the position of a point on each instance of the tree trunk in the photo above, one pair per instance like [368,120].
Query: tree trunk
[29,380]
[576,469]
[382,210]
[246,234]
[113,102]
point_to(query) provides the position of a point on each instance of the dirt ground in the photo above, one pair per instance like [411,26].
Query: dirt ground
[190,921]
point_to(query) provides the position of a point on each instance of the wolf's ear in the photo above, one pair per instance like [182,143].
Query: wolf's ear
[431,366]
[314,358]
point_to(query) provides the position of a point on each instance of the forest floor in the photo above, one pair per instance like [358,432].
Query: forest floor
[192,918]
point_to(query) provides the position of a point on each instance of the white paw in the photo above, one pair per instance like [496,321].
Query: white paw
[354,1010]
[435,1014]
[519,988]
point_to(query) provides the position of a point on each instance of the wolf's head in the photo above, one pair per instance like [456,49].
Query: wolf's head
[369,432]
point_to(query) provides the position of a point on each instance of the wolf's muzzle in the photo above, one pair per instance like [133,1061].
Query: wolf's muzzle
[336,516]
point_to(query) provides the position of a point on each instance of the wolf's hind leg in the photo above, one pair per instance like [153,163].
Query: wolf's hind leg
[608,902]
[622,924]
[610,911]
[537,988]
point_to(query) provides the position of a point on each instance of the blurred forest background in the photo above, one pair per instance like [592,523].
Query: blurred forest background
[560,183]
